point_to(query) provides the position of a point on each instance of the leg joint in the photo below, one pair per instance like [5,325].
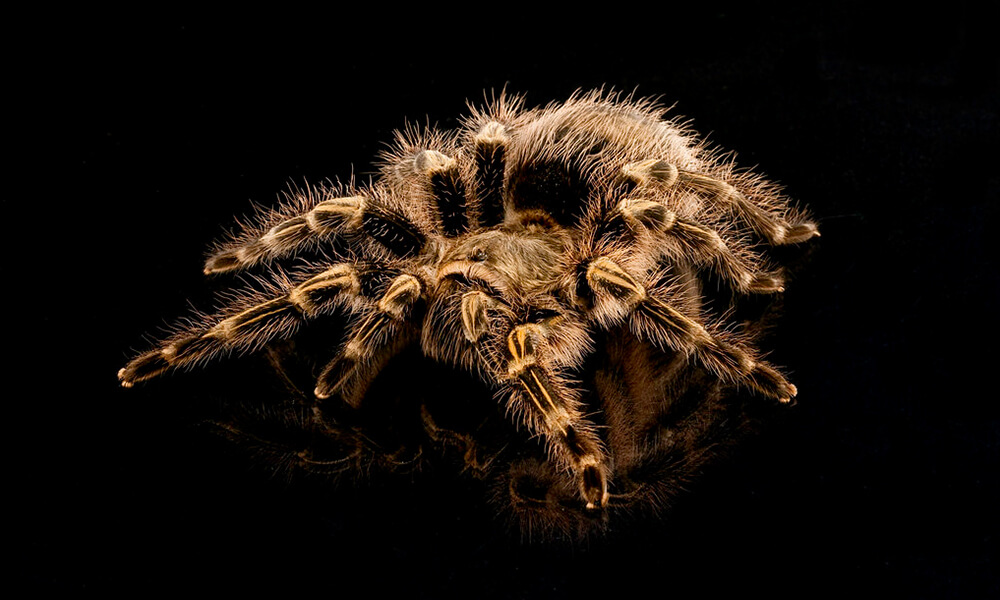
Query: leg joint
[403,293]
[605,275]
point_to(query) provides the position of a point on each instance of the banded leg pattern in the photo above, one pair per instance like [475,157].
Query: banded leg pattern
[447,188]
[572,440]
[490,159]
[772,227]
[705,245]
[329,217]
[671,329]
[373,339]
[250,328]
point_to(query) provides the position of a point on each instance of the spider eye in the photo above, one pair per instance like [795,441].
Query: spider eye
[537,315]
[478,255]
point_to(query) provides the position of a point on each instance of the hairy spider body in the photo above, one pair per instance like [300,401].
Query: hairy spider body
[561,256]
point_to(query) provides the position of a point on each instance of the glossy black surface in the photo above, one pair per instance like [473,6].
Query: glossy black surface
[143,139]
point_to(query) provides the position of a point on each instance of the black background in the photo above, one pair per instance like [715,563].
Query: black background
[147,134]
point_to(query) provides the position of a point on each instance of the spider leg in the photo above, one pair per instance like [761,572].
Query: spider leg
[447,189]
[541,399]
[329,217]
[771,226]
[706,246]
[704,242]
[440,178]
[253,322]
[669,328]
[477,459]
[373,340]
[490,148]
[286,458]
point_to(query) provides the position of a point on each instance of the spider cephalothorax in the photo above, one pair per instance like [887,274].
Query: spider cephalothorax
[559,255]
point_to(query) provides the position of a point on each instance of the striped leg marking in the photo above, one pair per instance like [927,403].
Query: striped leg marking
[576,446]
[372,336]
[772,227]
[490,157]
[274,319]
[475,319]
[324,219]
[350,213]
[448,189]
[681,333]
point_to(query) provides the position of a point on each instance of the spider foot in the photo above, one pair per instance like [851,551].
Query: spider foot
[333,377]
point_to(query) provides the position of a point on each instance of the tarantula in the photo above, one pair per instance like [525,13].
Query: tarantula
[563,257]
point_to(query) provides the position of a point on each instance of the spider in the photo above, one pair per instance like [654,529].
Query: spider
[571,258]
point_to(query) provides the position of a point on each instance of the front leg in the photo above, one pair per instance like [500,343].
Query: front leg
[376,338]
[252,321]
[540,399]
